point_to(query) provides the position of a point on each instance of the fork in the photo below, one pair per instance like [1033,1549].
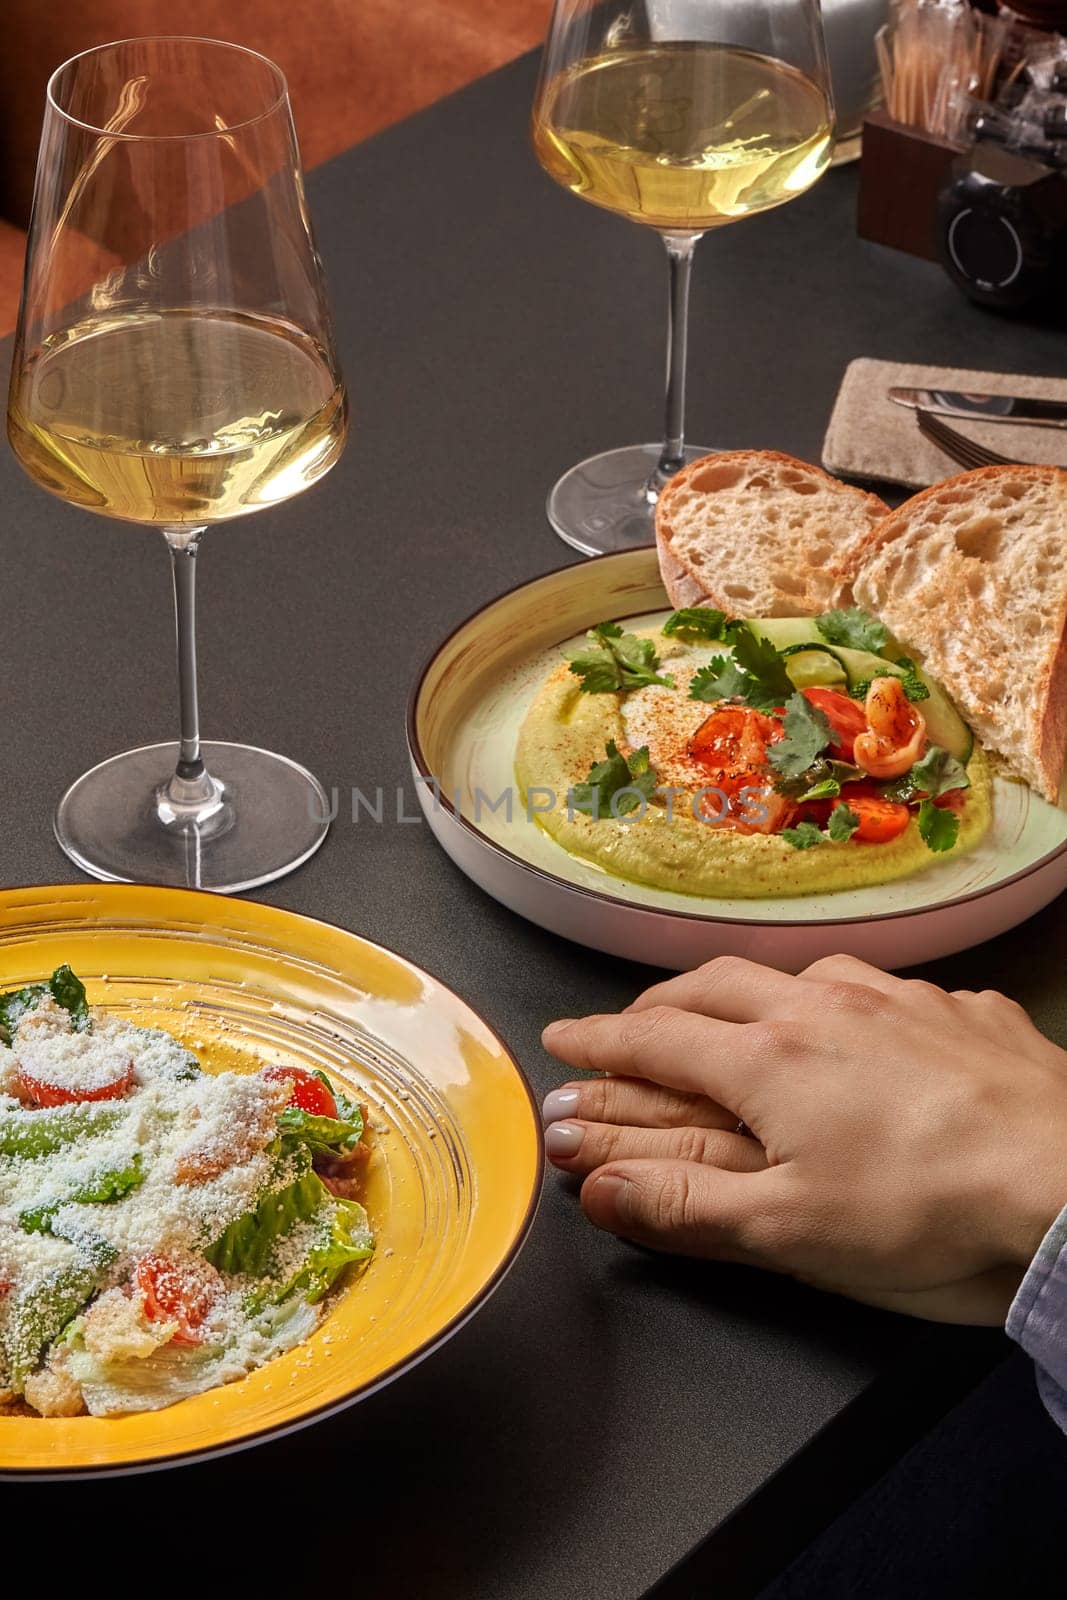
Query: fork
[965,451]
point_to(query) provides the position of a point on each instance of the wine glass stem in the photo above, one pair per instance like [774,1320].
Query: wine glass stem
[191,800]
[680,247]
[183,545]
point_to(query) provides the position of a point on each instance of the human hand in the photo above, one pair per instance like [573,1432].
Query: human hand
[908,1146]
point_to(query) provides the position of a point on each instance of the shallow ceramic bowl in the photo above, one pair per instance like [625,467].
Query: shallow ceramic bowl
[452,1183]
[463,722]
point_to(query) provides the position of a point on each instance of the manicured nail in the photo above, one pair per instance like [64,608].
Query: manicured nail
[612,1195]
[559,1104]
[563,1140]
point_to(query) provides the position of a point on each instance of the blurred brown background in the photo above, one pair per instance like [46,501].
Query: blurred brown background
[354,66]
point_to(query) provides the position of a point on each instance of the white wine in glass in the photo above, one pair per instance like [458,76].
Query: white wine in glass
[174,368]
[248,413]
[683,115]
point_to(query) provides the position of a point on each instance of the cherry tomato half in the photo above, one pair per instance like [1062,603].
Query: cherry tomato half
[57,1094]
[846,717]
[731,745]
[880,820]
[733,741]
[309,1093]
[172,1293]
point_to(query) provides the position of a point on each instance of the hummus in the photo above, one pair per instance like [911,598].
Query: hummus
[566,732]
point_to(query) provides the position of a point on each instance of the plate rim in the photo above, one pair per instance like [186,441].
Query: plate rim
[613,902]
[415,1357]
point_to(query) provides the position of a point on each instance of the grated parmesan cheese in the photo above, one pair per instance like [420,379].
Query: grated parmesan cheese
[78,1062]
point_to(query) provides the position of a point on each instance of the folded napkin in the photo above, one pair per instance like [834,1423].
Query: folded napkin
[870,437]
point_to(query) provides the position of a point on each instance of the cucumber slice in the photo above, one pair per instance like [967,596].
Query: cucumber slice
[811,661]
[944,725]
[812,665]
[784,632]
[860,665]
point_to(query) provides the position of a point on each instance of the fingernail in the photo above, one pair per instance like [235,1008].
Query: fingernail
[556,1027]
[612,1194]
[559,1104]
[563,1140]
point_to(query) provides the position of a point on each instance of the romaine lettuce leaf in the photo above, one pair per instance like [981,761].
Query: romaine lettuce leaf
[67,991]
[102,1188]
[174,1371]
[339,1234]
[38,1133]
[349,1239]
[250,1242]
[325,1135]
[42,1309]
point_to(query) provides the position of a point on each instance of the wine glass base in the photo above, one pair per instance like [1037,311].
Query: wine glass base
[605,502]
[108,825]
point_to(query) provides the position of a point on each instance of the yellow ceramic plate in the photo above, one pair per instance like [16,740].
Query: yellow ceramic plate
[452,1185]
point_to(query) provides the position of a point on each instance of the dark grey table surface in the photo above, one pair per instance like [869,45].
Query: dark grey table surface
[607,1416]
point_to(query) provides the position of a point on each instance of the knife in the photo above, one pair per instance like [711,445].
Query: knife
[984,407]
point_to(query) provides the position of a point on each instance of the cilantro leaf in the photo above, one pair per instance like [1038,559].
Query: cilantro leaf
[756,674]
[939,827]
[700,622]
[825,789]
[616,660]
[616,787]
[911,683]
[938,772]
[843,823]
[807,731]
[769,683]
[804,836]
[935,774]
[721,679]
[854,629]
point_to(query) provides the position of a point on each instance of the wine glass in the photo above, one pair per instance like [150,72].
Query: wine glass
[682,115]
[173,368]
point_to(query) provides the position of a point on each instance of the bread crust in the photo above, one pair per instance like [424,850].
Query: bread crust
[1038,753]
[889,529]
[682,589]
[686,586]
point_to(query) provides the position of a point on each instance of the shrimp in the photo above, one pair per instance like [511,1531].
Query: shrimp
[896,732]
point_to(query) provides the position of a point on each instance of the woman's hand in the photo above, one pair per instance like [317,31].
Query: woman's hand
[901,1145]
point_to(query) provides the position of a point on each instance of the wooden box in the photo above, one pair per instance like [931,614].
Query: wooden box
[902,171]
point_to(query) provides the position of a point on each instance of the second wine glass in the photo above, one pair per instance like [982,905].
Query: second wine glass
[683,115]
[174,368]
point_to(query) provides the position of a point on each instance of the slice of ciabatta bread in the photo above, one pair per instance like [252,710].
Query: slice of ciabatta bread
[757,534]
[973,575]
